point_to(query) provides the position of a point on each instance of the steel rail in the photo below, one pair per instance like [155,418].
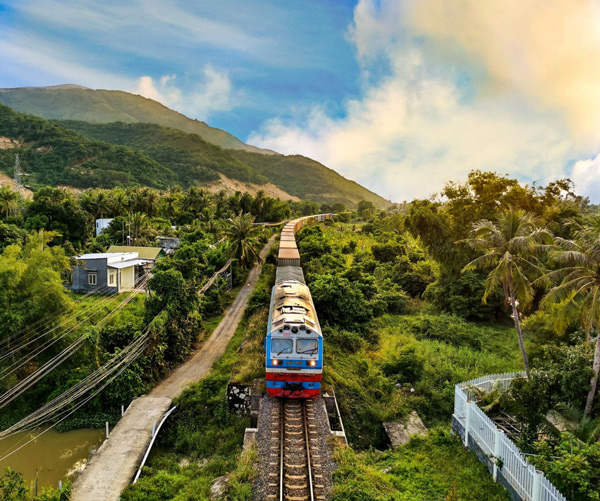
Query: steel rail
[308,459]
[281,446]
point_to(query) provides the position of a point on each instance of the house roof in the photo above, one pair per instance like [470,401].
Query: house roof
[128,264]
[143,252]
[106,255]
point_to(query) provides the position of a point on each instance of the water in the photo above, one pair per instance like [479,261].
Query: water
[55,455]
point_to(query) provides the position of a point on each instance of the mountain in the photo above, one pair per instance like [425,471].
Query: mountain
[74,102]
[53,155]
[189,157]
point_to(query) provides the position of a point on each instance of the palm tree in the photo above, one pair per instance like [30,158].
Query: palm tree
[9,200]
[581,426]
[578,295]
[119,202]
[510,246]
[242,236]
[140,229]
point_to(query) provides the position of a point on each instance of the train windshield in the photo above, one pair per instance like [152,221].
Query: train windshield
[281,345]
[307,346]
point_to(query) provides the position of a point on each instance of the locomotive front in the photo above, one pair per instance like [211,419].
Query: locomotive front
[294,344]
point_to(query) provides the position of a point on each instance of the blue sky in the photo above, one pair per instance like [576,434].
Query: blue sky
[399,95]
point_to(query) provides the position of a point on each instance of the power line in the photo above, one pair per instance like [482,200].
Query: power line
[58,359]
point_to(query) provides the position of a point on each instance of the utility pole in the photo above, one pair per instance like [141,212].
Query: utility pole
[18,174]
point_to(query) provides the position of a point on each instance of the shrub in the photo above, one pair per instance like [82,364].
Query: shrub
[405,367]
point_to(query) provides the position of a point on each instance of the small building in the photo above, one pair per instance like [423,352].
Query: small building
[109,272]
[102,224]
[168,244]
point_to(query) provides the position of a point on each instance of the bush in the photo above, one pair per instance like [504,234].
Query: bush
[340,302]
[405,367]
[447,328]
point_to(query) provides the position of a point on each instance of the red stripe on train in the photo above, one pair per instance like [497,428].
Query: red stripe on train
[304,393]
[295,378]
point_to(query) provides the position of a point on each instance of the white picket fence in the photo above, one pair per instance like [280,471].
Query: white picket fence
[529,484]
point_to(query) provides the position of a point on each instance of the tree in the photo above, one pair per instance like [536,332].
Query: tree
[510,246]
[578,294]
[243,239]
[140,229]
[340,302]
[365,208]
[31,282]
[9,200]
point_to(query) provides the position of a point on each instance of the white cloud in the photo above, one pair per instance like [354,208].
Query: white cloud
[416,128]
[586,176]
[546,50]
[213,94]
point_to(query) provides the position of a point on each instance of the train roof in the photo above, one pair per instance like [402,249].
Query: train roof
[292,305]
[286,273]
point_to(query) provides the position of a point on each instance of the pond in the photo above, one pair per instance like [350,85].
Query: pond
[54,455]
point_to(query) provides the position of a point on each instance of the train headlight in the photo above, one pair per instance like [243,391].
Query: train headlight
[275,361]
[312,363]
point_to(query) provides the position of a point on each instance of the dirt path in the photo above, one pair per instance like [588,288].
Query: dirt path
[214,346]
[117,460]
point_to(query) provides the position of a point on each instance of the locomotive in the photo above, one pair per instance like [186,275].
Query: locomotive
[294,342]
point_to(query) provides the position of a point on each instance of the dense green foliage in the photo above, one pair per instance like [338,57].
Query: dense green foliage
[55,155]
[13,488]
[188,155]
[82,155]
[34,264]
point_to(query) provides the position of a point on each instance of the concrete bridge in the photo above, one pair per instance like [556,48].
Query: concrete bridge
[113,467]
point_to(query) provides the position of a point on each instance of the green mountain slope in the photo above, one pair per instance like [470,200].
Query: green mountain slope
[308,179]
[183,153]
[188,155]
[53,155]
[72,102]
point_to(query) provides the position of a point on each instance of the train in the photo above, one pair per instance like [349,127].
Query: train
[294,341]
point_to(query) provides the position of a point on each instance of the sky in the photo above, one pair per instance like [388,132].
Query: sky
[401,96]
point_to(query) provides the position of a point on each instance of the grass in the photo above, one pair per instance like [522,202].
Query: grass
[426,469]
[204,440]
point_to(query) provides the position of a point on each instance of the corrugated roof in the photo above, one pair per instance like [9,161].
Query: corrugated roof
[144,252]
[105,255]
[128,264]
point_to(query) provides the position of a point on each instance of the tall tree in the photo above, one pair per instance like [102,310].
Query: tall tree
[9,200]
[510,246]
[243,239]
[578,294]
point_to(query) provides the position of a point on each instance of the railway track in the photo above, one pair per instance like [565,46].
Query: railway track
[295,454]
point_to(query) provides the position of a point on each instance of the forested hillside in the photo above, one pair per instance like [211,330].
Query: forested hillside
[54,155]
[194,159]
[73,102]
[82,155]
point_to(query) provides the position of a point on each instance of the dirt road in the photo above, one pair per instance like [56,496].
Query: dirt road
[117,460]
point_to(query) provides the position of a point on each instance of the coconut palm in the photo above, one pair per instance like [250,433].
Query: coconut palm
[9,200]
[581,426]
[243,240]
[578,295]
[510,246]
[119,202]
[140,229]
